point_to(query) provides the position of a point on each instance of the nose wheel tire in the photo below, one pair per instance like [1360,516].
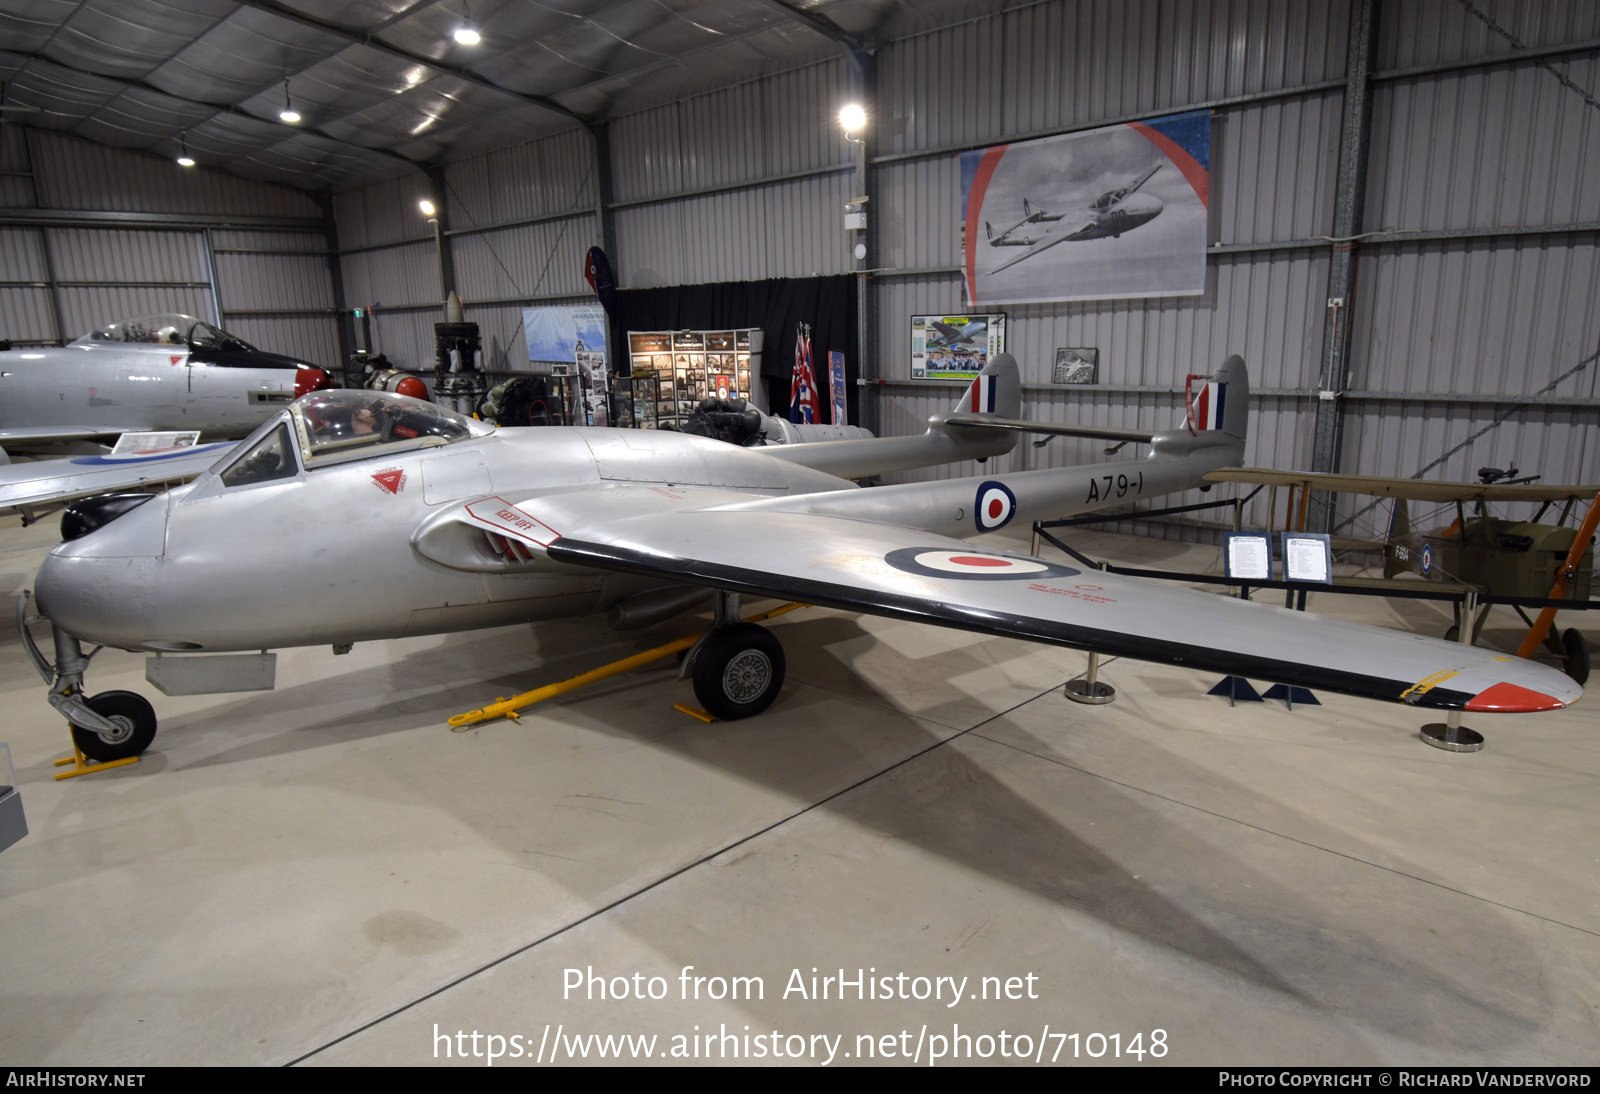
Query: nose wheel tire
[134,718]
[738,672]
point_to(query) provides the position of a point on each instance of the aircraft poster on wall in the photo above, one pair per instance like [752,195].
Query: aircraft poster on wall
[954,347]
[571,341]
[1112,212]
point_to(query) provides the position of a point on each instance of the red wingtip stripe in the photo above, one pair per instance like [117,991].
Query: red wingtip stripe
[1508,698]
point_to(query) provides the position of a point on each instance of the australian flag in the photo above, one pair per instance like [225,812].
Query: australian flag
[804,403]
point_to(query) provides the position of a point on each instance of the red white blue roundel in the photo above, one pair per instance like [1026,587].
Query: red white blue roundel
[972,565]
[994,506]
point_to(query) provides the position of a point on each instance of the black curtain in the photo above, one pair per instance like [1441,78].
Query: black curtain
[777,306]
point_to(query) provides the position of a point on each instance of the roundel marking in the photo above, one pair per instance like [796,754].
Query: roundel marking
[994,507]
[1427,559]
[969,566]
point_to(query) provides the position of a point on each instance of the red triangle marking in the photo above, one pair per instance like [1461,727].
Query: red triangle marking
[390,480]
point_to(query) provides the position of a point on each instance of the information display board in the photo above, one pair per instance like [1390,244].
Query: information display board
[954,347]
[691,365]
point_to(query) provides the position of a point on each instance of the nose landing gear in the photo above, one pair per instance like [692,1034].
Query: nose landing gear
[111,726]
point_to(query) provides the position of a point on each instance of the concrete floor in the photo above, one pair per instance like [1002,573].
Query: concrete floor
[325,873]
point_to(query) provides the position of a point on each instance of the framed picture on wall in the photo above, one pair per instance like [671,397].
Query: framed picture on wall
[946,347]
[1076,365]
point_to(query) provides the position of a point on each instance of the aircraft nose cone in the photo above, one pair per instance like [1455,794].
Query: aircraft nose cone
[1143,206]
[103,586]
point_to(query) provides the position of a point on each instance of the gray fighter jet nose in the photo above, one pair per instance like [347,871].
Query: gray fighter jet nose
[101,586]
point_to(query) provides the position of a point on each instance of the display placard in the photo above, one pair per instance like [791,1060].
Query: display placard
[955,347]
[1247,556]
[1308,556]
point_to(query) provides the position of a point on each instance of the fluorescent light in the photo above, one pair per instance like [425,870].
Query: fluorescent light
[466,36]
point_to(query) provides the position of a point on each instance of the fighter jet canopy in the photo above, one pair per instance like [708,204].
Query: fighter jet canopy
[343,423]
[168,329]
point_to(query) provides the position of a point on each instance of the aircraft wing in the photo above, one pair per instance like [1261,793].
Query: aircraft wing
[45,483]
[61,433]
[1066,231]
[1020,425]
[897,572]
[1411,489]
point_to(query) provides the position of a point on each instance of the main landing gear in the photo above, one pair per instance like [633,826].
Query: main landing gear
[738,667]
[114,725]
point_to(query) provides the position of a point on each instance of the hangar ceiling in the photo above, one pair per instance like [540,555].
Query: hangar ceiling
[378,82]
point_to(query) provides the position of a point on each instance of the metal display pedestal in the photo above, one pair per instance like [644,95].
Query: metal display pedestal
[1452,736]
[1089,688]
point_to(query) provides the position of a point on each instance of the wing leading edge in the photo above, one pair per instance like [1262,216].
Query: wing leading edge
[890,571]
[53,482]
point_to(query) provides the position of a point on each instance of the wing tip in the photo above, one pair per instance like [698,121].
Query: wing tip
[1508,698]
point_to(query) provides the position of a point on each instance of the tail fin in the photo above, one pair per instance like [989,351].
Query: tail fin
[1027,210]
[1235,378]
[1221,401]
[988,230]
[1399,530]
[997,390]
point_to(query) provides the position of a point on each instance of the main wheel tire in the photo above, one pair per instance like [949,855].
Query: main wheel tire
[1576,660]
[738,672]
[134,718]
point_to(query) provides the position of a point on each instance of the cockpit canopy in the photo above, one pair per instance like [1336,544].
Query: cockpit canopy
[168,329]
[337,423]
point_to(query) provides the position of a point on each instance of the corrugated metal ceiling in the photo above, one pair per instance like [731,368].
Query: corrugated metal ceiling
[381,81]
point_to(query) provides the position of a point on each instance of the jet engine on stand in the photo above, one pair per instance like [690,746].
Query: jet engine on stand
[457,382]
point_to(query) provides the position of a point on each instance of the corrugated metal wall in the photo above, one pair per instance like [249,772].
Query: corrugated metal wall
[536,201]
[1509,146]
[283,302]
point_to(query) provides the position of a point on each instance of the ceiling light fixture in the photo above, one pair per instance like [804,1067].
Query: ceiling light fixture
[465,34]
[185,160]
[427,207]
[288,113]
[852,119]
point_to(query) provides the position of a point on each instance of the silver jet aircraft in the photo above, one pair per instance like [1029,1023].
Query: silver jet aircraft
[156,372]
[355,516]
[1111,214]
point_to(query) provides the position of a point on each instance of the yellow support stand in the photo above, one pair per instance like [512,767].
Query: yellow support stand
[507,708]
[693,713]
[81,765]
